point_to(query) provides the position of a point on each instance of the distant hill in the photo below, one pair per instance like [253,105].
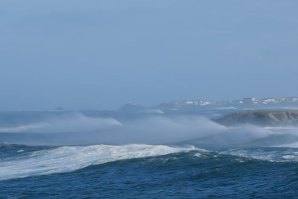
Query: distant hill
[261,118]
[251,103]
[208,107]
[132,107]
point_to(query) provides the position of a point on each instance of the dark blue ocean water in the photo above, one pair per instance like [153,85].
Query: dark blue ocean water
[193,173]
[143,155]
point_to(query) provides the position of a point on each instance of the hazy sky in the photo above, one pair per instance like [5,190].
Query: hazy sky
[102,54]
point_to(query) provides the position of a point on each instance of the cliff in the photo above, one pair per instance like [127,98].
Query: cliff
[261,118]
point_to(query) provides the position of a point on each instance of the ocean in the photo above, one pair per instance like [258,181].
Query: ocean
[91,154]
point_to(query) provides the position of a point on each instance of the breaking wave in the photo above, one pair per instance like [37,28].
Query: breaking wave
[72,158]
[25,161]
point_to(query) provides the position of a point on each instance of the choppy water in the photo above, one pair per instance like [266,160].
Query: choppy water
[147,171]
[242,162]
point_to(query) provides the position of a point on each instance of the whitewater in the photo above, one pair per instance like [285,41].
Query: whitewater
[148,155]
[72,158]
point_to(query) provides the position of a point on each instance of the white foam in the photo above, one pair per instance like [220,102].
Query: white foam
[71,158]
[266,155]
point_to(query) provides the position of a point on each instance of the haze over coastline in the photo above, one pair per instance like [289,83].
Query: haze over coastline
[146,99]
[103,54]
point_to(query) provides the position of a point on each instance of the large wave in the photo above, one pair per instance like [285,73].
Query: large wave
[71,158]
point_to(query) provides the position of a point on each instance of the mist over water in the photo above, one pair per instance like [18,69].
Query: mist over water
[77,128]
[72,123]
[80,129]
[89,57]
[74,142]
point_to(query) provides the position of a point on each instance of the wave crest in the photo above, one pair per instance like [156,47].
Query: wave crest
[72,158]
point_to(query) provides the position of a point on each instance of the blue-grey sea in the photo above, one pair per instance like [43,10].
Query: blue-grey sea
[113,155]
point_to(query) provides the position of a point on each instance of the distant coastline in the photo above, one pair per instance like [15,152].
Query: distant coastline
[261,118]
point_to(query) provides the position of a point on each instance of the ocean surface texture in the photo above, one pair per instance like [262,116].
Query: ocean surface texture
[143,155]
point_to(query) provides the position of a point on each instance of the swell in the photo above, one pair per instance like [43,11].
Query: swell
[25,161]
[72,158]
[193,174]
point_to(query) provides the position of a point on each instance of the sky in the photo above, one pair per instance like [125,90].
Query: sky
[101,54]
